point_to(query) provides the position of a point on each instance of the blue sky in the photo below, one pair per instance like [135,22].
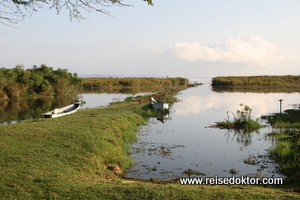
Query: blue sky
[172,38]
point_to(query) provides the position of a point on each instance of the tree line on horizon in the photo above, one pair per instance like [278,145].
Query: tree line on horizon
[42,80]
[45,80]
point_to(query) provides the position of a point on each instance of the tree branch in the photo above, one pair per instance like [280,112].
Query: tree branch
[14,11]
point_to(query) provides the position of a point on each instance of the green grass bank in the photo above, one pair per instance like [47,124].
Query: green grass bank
[79,156]
[286,128]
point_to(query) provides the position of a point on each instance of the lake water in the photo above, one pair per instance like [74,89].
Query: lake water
[93,100]
[166,150]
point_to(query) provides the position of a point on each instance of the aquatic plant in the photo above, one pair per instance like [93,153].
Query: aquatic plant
[233,171]
[190,172]
[242,119]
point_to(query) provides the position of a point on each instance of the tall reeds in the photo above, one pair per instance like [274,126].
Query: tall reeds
[256,81]
[100,83]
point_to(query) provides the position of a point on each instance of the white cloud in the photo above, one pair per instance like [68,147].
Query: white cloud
[249,50]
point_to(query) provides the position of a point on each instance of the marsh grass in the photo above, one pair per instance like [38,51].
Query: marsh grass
[242,119]
[111,82]
[286,153]
[256,81]
[288,119]
[286,127]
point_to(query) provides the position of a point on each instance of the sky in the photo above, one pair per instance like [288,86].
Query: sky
[173,38]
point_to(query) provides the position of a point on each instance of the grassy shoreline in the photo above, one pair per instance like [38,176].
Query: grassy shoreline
[79,156]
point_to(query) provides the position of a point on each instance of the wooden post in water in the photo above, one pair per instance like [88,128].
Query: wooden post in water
[280,100]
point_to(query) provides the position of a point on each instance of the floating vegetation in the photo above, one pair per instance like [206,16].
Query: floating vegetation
[242,119]
[162,150]
[250,161]
[233,171]
[190,172]
[152,168]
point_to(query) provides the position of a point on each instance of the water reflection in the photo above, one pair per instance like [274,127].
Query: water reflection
[242,137]
[17,110]
[208,150]
[163,117]
[259,102]
[103,99]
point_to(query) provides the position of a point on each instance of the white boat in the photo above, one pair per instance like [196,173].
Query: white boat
[59,112]
[159,105]
[163,117]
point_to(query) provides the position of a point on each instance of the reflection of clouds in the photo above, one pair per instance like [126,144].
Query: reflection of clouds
[103,99]
[196,104]
[100,99]
[259,102]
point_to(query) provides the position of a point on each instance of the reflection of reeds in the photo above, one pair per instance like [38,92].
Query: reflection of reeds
[260,89]
[243,137]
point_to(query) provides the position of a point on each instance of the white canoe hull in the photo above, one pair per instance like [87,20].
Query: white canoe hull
[59,112]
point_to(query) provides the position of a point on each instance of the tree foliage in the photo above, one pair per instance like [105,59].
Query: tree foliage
[13,11]
[38,80]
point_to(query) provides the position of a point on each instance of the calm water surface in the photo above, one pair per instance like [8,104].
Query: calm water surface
[93,100]
[166,150]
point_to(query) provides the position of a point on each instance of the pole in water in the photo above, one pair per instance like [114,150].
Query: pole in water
[280,100]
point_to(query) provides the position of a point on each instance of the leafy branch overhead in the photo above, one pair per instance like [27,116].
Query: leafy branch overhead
[14,11]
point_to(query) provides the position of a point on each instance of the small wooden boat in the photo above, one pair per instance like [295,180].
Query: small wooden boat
[59,112]
[159,105]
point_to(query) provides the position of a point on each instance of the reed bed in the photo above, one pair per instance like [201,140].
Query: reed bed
[256,81]
[98,83]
